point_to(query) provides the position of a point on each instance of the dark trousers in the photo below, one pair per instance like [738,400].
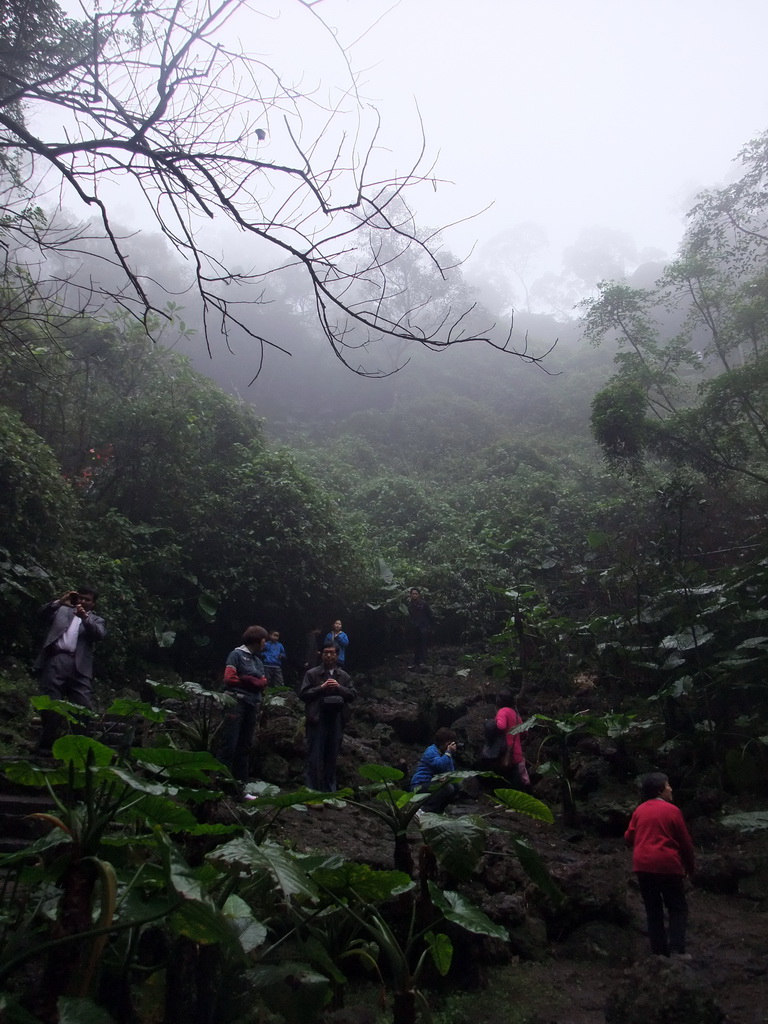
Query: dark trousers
[659,891]
[323,748]
[237,734]
[440,799]
[420,644]
[60,680]
[274,674]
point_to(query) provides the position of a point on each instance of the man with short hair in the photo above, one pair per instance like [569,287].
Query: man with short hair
[273,657]
[327,691]
[244,679]
[65,661]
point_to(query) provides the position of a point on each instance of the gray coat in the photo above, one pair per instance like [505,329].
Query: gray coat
[59,616]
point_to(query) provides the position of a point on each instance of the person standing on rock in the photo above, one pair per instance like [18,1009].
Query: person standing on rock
[662,857]
[421,621]
[244,679]
[65,661]
[327,691]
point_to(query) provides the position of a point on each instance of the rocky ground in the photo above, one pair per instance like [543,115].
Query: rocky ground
[587,963]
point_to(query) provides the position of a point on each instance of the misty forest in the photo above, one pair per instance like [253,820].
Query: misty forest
[271,395]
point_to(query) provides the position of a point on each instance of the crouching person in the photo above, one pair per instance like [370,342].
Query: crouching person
[244,679]
[437,759]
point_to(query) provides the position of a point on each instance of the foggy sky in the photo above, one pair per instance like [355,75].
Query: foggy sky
[560,114]
[568,114]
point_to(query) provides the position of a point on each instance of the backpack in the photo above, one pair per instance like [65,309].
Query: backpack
[495,740]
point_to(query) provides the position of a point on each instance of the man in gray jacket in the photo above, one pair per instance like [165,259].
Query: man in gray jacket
[327,691]
[65,662]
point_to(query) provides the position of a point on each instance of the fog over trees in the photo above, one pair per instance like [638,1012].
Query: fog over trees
[243,379]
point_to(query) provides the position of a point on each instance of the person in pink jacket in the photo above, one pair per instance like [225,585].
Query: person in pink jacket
[662,855]
[512,756]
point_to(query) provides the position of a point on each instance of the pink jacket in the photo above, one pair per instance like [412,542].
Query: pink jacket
[506,719]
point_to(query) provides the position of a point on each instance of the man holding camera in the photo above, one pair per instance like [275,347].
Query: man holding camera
[65,661]
[327,691]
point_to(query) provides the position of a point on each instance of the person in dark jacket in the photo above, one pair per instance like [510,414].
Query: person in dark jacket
[327,691]
[421,621]
[662,857]
[244,679]
[65,661]
[437,759]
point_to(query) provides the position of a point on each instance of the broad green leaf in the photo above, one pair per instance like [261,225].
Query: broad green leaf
[181,877]
[124,707]
[754,641]
[179,764]
[380,773]
[65,708]
[281,864]
[159,810]
[26,774]
[513,800]
[206,606]
[250,933]
[202,923]
[458,843]
[693,636]
[460,911]
[75,750]
[369,884]
[47,842]
[441,950]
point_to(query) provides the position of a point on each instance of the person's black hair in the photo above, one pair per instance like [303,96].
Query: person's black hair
[89,591]
[653,785]
[505,699]
[444,736]
[253,634]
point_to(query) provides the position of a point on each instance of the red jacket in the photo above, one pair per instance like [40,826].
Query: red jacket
[660,839]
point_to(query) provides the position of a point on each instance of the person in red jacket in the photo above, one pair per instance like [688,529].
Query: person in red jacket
[662,857]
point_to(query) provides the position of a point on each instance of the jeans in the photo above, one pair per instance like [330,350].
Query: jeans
[659,891]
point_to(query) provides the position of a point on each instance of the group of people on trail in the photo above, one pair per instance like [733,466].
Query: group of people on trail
[326,690]
[657,834]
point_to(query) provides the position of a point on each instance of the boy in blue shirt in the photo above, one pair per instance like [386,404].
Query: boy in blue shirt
[273,657]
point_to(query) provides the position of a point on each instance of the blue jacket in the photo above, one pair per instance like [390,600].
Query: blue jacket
[273,652]
[432,763]
[341,641]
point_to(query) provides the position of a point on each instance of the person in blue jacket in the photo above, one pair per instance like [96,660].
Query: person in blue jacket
[340,640]
[437,759]
[273,657]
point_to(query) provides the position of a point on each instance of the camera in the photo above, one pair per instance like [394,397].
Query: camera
[74,598]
